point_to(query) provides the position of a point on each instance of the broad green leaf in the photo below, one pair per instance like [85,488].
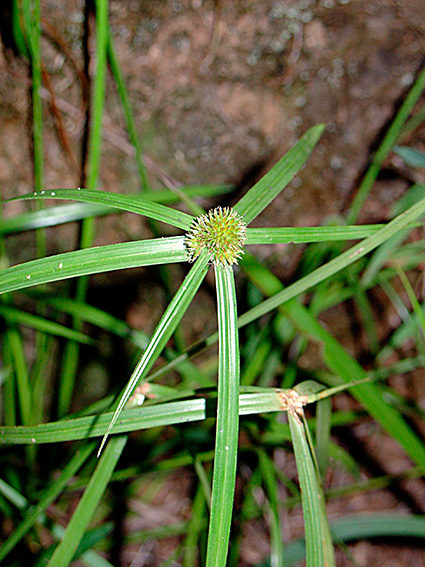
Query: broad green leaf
[93,261]
[268,188]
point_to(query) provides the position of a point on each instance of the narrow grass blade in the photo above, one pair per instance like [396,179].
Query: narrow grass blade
[7,381]
[49,496]
[336,265]
[166,327]
[71,212]
[388,142]
[51,216]
[93,261]
[129,203]
[319,548]
[269,186]
[338,360]
[420,317]
[16,358]
[82,516]
[226,445]
[381,257]
[145,417]
[360,526]
[128,113]
[95,126]
[268,472]
[195,527]
[32,23]
[14,315]
[363,526]
[309,234]
[98,95]
[410,156]
[323,433]
[364,309]
[68,373]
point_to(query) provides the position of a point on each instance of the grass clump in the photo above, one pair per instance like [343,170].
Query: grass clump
[219,419]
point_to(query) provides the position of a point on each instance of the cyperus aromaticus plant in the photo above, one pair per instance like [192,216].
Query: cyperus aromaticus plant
[217,238]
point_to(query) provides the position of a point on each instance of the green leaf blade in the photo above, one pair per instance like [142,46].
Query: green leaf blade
[78,524]
[93,261]
[306,235]
[319,549]
[165,328]
[269,186]
[14,315]
[224,477]
[336,265]
[129,203]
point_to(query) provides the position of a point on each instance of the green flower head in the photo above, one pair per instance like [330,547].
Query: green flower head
[222,232]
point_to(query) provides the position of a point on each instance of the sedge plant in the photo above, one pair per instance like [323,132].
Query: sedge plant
[217,238]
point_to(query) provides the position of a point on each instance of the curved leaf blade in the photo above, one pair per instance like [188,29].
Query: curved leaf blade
[93,261]
[129,203]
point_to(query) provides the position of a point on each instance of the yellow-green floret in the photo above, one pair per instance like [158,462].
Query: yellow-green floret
[222,232]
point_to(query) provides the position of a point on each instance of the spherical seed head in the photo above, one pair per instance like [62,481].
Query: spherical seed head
[222,232]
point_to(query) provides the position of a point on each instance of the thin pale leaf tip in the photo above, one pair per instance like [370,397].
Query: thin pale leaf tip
[105,437]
